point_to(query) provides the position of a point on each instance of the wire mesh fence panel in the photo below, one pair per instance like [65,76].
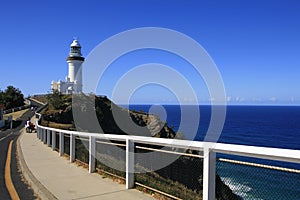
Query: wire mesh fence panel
[57,141]
[82,149]
[169,171]
[50,134]
[111,157]
[256,180]
[67,144]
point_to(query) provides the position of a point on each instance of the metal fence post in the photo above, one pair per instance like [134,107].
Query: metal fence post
[209,174]
[129,163]
[61,144]
[48,138]
[53,140]
[92,151]
[72,148]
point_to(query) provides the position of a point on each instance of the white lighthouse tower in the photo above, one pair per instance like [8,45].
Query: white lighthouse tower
[75,61]
[73,82]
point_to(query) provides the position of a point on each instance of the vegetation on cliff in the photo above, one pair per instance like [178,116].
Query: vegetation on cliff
[59,114]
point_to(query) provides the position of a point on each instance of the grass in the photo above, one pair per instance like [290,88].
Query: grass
[40,98]
[58,125]
[15,115]
[168,186]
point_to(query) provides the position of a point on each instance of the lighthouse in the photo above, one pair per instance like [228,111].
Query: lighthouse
[73,83]
[75,61]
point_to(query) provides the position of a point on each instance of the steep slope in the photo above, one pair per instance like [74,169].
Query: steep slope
[60,111]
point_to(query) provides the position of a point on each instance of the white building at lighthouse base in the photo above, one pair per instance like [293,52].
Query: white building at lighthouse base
[64,87]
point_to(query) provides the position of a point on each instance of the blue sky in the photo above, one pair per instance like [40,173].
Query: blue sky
[255,44]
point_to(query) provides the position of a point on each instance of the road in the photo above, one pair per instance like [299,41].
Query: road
[22,189]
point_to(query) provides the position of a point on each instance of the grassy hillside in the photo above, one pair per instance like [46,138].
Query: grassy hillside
[59,114]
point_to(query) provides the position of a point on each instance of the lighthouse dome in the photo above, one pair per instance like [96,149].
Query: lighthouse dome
[75,43]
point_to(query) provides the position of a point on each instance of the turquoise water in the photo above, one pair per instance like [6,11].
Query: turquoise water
[259,183]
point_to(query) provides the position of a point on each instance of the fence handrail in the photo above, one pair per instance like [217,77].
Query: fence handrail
[279,154]
[209,150]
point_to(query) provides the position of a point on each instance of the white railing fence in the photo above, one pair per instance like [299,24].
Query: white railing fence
[209,151]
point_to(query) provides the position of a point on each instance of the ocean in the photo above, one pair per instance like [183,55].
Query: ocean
[264,126]
[267,126]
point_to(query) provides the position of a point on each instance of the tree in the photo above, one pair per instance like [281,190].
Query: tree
[11,98]
[1,97]
[55,99]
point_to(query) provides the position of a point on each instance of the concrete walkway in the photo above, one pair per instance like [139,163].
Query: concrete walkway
[54,177]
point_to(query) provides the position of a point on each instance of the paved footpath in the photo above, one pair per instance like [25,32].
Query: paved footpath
[54,177]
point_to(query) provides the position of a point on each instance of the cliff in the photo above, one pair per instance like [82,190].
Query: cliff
[59,114]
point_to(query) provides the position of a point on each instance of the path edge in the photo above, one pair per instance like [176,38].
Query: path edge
[39,189]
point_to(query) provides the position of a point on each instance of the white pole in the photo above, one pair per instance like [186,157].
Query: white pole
[92,151]
[209,174]
[129,164]
[61,144]
[72,148]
